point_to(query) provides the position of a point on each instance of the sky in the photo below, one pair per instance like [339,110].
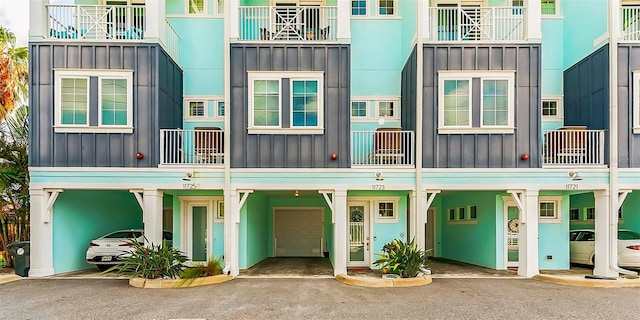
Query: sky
[14,15]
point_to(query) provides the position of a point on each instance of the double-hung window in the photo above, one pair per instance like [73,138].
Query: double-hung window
[110,110]
[470,102]
[286,103]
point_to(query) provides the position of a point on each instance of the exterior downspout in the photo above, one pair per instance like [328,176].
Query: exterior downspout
[613,21]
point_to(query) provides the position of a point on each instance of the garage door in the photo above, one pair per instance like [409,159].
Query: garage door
[298,233]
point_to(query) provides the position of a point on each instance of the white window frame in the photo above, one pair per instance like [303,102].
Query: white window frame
[367,13]
[377,10]
[208,101]
[219,211]
[469,212]
[366,109]
[279,76]
[217,11]
[556,15]
[87,74]
[557,213]
[216,104]
[509,76]
[636,102]
[205,8]
[380,219]
[586,213]
[396,109]
[560,107]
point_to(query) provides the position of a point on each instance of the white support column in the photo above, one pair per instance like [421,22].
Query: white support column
[154,14]
[237,199]
[38,18]
[340,233]
[418,210]
[614,17]
[603,257]
[41,236]
[533,11]
[152,215]
[528,235]
[344,20]
[424,16]
[425,199]
[231,9]
[325,194]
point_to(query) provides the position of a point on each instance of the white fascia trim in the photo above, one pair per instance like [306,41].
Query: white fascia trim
[455,130]
[84,129]
[285,131]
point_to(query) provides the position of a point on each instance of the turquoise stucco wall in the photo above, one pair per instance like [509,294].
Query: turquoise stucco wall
[553,238]
[80,216]
[582,201]
[257,239]
[631,212]
[473,243]
[552,56]
[579,36]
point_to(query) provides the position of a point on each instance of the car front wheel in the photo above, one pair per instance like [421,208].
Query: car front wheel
[103,267]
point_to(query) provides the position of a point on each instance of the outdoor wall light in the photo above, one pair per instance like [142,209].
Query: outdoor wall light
[379,176]
[187,176]
[575,176]
[296,193]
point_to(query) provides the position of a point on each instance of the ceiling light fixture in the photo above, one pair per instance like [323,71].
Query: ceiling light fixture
[575,176]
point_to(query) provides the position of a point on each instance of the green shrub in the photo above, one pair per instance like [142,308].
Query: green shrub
[152,262]
[210,268]
[403,259]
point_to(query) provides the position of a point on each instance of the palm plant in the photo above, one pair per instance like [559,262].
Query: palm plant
[14,74]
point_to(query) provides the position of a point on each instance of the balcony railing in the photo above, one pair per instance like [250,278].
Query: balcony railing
[288,23]
[192,147]
[630,19]
[573,146]
[478,23]
[383,147]
[96,22]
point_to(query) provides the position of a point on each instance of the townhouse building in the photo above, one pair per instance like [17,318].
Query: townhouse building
[485,130]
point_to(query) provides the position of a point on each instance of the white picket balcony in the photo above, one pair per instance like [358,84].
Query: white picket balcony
[575,146]
[478,23]
[104,23]
[630,19]
[383,147]
[288,23]
[192,147]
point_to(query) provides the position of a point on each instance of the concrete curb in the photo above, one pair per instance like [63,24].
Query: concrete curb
[177,283]
[383,283]
[9,278]
[593,283]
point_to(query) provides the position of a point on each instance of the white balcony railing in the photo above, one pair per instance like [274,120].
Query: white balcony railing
[630,19]
[288,23]
[171,41]
[573,146]
[192,147]
[96,22]
[383,147]
[478,23]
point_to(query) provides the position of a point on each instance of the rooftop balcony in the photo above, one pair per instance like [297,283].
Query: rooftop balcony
[573,146]
[288,23]
[630,19]
[117,23]
[498,24]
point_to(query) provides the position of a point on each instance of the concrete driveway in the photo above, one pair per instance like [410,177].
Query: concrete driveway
[445,298]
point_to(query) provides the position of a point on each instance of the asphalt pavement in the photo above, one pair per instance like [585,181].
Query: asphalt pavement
[314,299]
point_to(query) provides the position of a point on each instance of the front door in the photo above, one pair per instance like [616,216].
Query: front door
[511,231]
[198,231]
[359,244]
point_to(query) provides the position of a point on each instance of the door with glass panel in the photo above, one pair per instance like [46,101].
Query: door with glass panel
[359,242]
[512,231]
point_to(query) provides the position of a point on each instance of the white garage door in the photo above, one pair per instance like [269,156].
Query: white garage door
[298,232]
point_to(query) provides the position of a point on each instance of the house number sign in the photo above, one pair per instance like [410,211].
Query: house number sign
[377,186]
[189,186]
[571,186]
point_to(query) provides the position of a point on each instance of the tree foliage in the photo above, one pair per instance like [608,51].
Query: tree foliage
[14,73]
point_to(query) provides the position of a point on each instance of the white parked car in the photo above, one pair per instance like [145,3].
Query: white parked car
[109,249]
[582,247]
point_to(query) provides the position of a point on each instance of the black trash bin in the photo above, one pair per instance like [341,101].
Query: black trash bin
[20,252]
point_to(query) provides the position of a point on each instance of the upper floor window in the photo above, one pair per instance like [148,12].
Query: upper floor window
[386,7]
[203,107]
[552,108]
[358,109]
[220,7]
[197,6]
[549,7]
[77,111]
[494,110]
[516,4]
[291,101]
[359,7]
[386,109]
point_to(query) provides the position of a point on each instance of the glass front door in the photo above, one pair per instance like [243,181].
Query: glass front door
[512,231]
[358,224]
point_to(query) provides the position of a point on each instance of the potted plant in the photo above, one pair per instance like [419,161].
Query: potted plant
[402,258]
